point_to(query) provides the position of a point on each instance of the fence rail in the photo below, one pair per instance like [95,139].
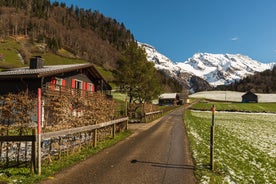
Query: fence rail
[23,138]
[49,135]
[152,115]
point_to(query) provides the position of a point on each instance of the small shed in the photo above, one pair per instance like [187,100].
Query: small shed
[249,97]
[168,99]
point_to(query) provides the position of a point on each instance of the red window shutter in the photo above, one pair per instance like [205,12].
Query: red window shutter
[73,83]
[53,81]
[93,88]
[63,82]
[84,85]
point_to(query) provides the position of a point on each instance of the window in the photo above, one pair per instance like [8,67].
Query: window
[78,84]
[60,84]
[59,81]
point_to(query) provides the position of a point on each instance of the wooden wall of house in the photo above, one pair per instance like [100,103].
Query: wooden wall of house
[18,85]
[68,77]
[169,102]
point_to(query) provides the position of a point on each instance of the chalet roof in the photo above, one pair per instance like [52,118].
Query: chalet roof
[249,93]
[26,72]
[168,96]
[50,70]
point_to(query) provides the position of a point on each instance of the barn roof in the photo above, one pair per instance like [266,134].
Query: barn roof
[168,96]
[249,93]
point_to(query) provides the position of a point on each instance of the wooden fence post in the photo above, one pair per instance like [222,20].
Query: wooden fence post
[126,125]
[39,131]
[113,130]
[95,137]
[212,139]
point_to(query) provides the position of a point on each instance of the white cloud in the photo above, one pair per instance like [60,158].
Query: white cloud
[234,38]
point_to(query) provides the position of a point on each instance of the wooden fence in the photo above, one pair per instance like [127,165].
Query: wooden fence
[11,146]
[152,115]
[89,128]
[54,144]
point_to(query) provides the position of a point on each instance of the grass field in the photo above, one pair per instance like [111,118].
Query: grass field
[245,146]
[52,59]
[241,107]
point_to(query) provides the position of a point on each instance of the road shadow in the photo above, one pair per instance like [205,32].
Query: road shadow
[163,165]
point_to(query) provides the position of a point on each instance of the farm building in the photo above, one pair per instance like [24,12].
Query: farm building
[169,99]
[81,77]
[249,97]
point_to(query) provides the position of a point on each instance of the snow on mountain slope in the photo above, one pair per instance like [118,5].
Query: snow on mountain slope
[220,69]
[161,62]
[216,69]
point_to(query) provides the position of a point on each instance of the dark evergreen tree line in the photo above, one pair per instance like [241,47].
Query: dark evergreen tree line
[263,82]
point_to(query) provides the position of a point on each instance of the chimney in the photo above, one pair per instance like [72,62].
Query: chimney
[36,62]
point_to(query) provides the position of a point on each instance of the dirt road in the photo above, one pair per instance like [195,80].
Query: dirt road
[157,152]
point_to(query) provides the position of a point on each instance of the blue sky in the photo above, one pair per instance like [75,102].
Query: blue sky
[180,28]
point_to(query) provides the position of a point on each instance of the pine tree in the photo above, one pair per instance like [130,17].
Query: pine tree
[136,76]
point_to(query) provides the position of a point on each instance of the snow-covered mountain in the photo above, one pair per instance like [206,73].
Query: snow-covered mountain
[216,69]
[220,69]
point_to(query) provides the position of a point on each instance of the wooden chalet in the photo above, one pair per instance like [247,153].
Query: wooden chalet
[81,77]
[249,97]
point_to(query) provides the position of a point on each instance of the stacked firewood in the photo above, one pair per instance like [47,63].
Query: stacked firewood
[65,110]
[60,111]
[148,107]
[17,111]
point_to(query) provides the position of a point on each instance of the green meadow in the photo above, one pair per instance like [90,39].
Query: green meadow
[245,143]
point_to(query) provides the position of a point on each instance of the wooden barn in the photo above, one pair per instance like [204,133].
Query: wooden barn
[249,97]
[168,99]
[81,77]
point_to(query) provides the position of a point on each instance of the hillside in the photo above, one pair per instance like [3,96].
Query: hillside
[86,34]
[63,35]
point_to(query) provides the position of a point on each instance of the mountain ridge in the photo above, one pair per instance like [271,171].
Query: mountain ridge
[216,69]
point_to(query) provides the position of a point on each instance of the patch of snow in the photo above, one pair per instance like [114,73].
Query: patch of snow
[232,96]
[20,58]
